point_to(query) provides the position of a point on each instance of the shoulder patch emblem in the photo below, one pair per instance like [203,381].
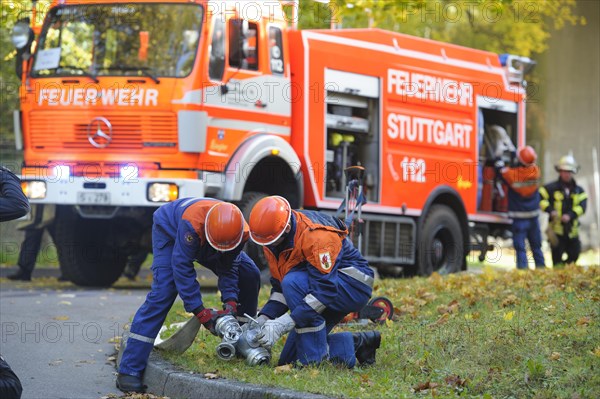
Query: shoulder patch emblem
[325,260]
[189,237]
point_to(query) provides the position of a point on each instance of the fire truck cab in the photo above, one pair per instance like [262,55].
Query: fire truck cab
[127,105]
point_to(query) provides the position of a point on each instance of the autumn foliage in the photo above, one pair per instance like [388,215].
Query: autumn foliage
[521,334]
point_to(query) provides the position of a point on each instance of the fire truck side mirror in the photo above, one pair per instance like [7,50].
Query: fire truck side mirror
[22,37]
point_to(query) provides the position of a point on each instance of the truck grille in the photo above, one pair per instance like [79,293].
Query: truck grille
[149,133]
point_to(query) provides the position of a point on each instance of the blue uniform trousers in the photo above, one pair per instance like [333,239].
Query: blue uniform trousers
[527,228]
[151,315]
[311,343]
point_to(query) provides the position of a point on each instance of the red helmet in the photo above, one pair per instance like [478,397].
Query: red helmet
[224,226]
[269,219]
[526,155]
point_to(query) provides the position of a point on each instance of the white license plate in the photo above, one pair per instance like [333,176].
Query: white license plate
[90,198]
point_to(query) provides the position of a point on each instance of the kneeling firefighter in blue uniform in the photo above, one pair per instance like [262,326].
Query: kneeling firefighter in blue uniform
[320,277]
[208,231]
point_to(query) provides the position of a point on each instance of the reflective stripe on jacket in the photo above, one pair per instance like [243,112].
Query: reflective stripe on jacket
[523,196]
[555,198]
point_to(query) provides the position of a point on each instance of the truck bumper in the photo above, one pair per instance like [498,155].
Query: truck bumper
[112,192]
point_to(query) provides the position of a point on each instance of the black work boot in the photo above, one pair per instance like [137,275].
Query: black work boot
[20,275]
[130,383]
[365,346]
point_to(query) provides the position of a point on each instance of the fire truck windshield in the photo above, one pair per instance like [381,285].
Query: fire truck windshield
[149,40]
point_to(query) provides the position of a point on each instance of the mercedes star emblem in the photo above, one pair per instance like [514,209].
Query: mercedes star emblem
[99,132]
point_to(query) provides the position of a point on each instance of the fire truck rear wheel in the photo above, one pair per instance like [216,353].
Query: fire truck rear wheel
[255,252]
[85,251]
[440,245]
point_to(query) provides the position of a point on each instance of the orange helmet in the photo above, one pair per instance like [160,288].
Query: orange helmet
[269,219]
[526,155]
[224,226]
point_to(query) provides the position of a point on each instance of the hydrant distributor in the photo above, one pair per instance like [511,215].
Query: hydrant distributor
[240,341]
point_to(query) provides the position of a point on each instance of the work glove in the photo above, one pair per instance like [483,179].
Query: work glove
[255,323]
[208,317]
[273,330]
[262,319]
[229,307]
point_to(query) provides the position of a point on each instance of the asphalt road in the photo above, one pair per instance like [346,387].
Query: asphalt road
[59,338]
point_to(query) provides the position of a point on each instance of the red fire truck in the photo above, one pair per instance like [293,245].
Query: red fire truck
[127,105]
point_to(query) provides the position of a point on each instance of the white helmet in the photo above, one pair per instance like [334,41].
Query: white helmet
[567,163]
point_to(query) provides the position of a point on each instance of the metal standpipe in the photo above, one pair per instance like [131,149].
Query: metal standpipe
[230,331]
[240,341]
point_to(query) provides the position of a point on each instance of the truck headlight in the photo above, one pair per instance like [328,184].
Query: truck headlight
[162,192]
[34,189]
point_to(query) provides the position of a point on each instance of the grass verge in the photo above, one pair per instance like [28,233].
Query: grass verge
[496,334]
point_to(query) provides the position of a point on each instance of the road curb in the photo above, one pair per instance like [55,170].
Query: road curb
[165,379]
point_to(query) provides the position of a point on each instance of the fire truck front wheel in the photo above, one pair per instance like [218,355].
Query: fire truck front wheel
[87,255]
[440,245]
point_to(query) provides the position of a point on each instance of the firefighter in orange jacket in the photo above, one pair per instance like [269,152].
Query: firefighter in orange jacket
[523,205]
[320,277]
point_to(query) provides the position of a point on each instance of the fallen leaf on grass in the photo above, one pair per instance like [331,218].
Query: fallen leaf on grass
[452,307]
[364,380]
[425,385]
[420,302]
[211,376]
[455,381]
[405,309]
[442,320]
[584,321]
[555,356]
[509,316]
[61,318]
[286,368]
[596,351]
[509,300]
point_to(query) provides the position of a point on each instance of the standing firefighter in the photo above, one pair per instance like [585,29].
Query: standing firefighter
[208,231]
[320,277]
[565,202]
[523,205]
